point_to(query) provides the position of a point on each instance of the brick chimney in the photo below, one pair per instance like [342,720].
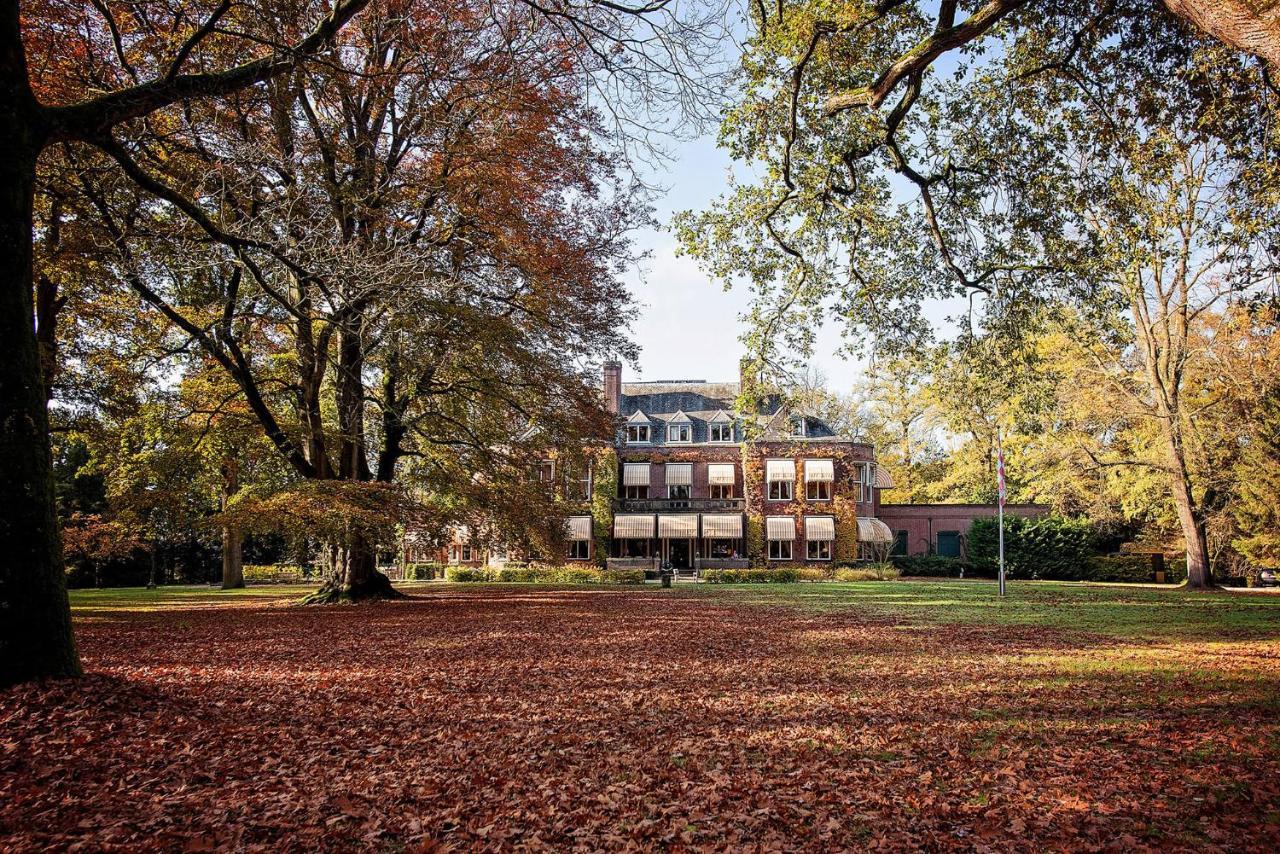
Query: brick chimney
[613,387]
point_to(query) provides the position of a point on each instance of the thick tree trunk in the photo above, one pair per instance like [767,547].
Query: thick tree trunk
[35,619]
[232,559]
[1252,26]
[352,574]
[1199,572]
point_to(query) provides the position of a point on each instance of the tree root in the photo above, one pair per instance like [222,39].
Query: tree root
[378,587]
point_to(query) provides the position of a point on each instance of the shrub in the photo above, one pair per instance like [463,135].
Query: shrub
[871,572]
[423,571]
[930,566]
[278,573]
[466,573]
[1132,569]
[812,573]
[622,576]
[1049,547]
[778,575]
[514,573]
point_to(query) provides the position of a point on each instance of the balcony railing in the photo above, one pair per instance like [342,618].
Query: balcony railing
[692,505]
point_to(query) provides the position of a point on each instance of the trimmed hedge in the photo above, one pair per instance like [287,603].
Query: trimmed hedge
[1132,569]
[423,571]
[522,574]
[277,573]
[1046,547]
[751,576]
[931,566]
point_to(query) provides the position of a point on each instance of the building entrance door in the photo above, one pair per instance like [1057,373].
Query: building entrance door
[678,554]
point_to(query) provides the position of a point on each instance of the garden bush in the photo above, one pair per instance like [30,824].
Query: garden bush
[778,575]
[514,573]
[276,573]
[623,576]
[1133,569]
[868,572]
[466,573]
[1048,547]
[930,566]
[813,573]
[423,571]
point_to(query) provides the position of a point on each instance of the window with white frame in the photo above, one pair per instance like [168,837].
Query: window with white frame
[637,434]
[868,478]
[635,492]
[780,550]
[678,490]
[818,549]
[679,433]
[577,482]
[781,490]
[722,491]
[797,427]
[545,472]
[721,433]
[453,554]
[467,554]
[818,477]
[579,549]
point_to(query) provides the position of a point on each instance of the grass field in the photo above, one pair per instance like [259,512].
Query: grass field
[900,714]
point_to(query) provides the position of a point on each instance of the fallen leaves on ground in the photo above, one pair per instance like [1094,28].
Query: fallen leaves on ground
[610,719]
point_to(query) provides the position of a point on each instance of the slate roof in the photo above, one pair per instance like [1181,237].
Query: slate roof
[663,402]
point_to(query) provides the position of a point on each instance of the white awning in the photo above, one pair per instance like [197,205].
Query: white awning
[873,531]
[780,527]
[722,526]
[633,526]
[775,470]
[819,528]
[720,474]
[884,480]
[679,474]
[819,470]
[635,474]
[579,527]
[684,525]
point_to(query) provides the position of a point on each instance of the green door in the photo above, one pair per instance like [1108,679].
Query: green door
[949,543]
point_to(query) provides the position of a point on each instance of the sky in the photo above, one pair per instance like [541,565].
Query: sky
[688,326]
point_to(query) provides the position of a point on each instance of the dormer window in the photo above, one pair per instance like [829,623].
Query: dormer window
[722,432]
[637,434]
[679,433]
[797,428]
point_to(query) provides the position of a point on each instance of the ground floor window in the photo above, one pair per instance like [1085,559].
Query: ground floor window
[818,549]
[899,543]
[467,554]
[779,550]
[453,554]
[579,549]
[633,548]
[722,548]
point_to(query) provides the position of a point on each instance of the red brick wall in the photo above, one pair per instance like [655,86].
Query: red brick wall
[922,522]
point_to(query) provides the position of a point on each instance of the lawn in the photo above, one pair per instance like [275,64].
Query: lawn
[899,714]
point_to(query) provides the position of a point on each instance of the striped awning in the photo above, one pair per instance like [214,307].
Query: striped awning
[819,528]
[579,527]
[873,531]
[819,470]
[633,526]
[683,525]
[720,474]
[679,474]
[780,527]
[722,526]
[635,474]
[776,470]
[883,480]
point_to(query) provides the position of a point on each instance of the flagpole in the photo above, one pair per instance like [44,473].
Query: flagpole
[1000,504]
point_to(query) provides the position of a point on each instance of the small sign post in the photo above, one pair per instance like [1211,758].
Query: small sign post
[1000,505]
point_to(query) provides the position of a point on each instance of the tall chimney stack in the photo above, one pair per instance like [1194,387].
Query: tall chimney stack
[613,386]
